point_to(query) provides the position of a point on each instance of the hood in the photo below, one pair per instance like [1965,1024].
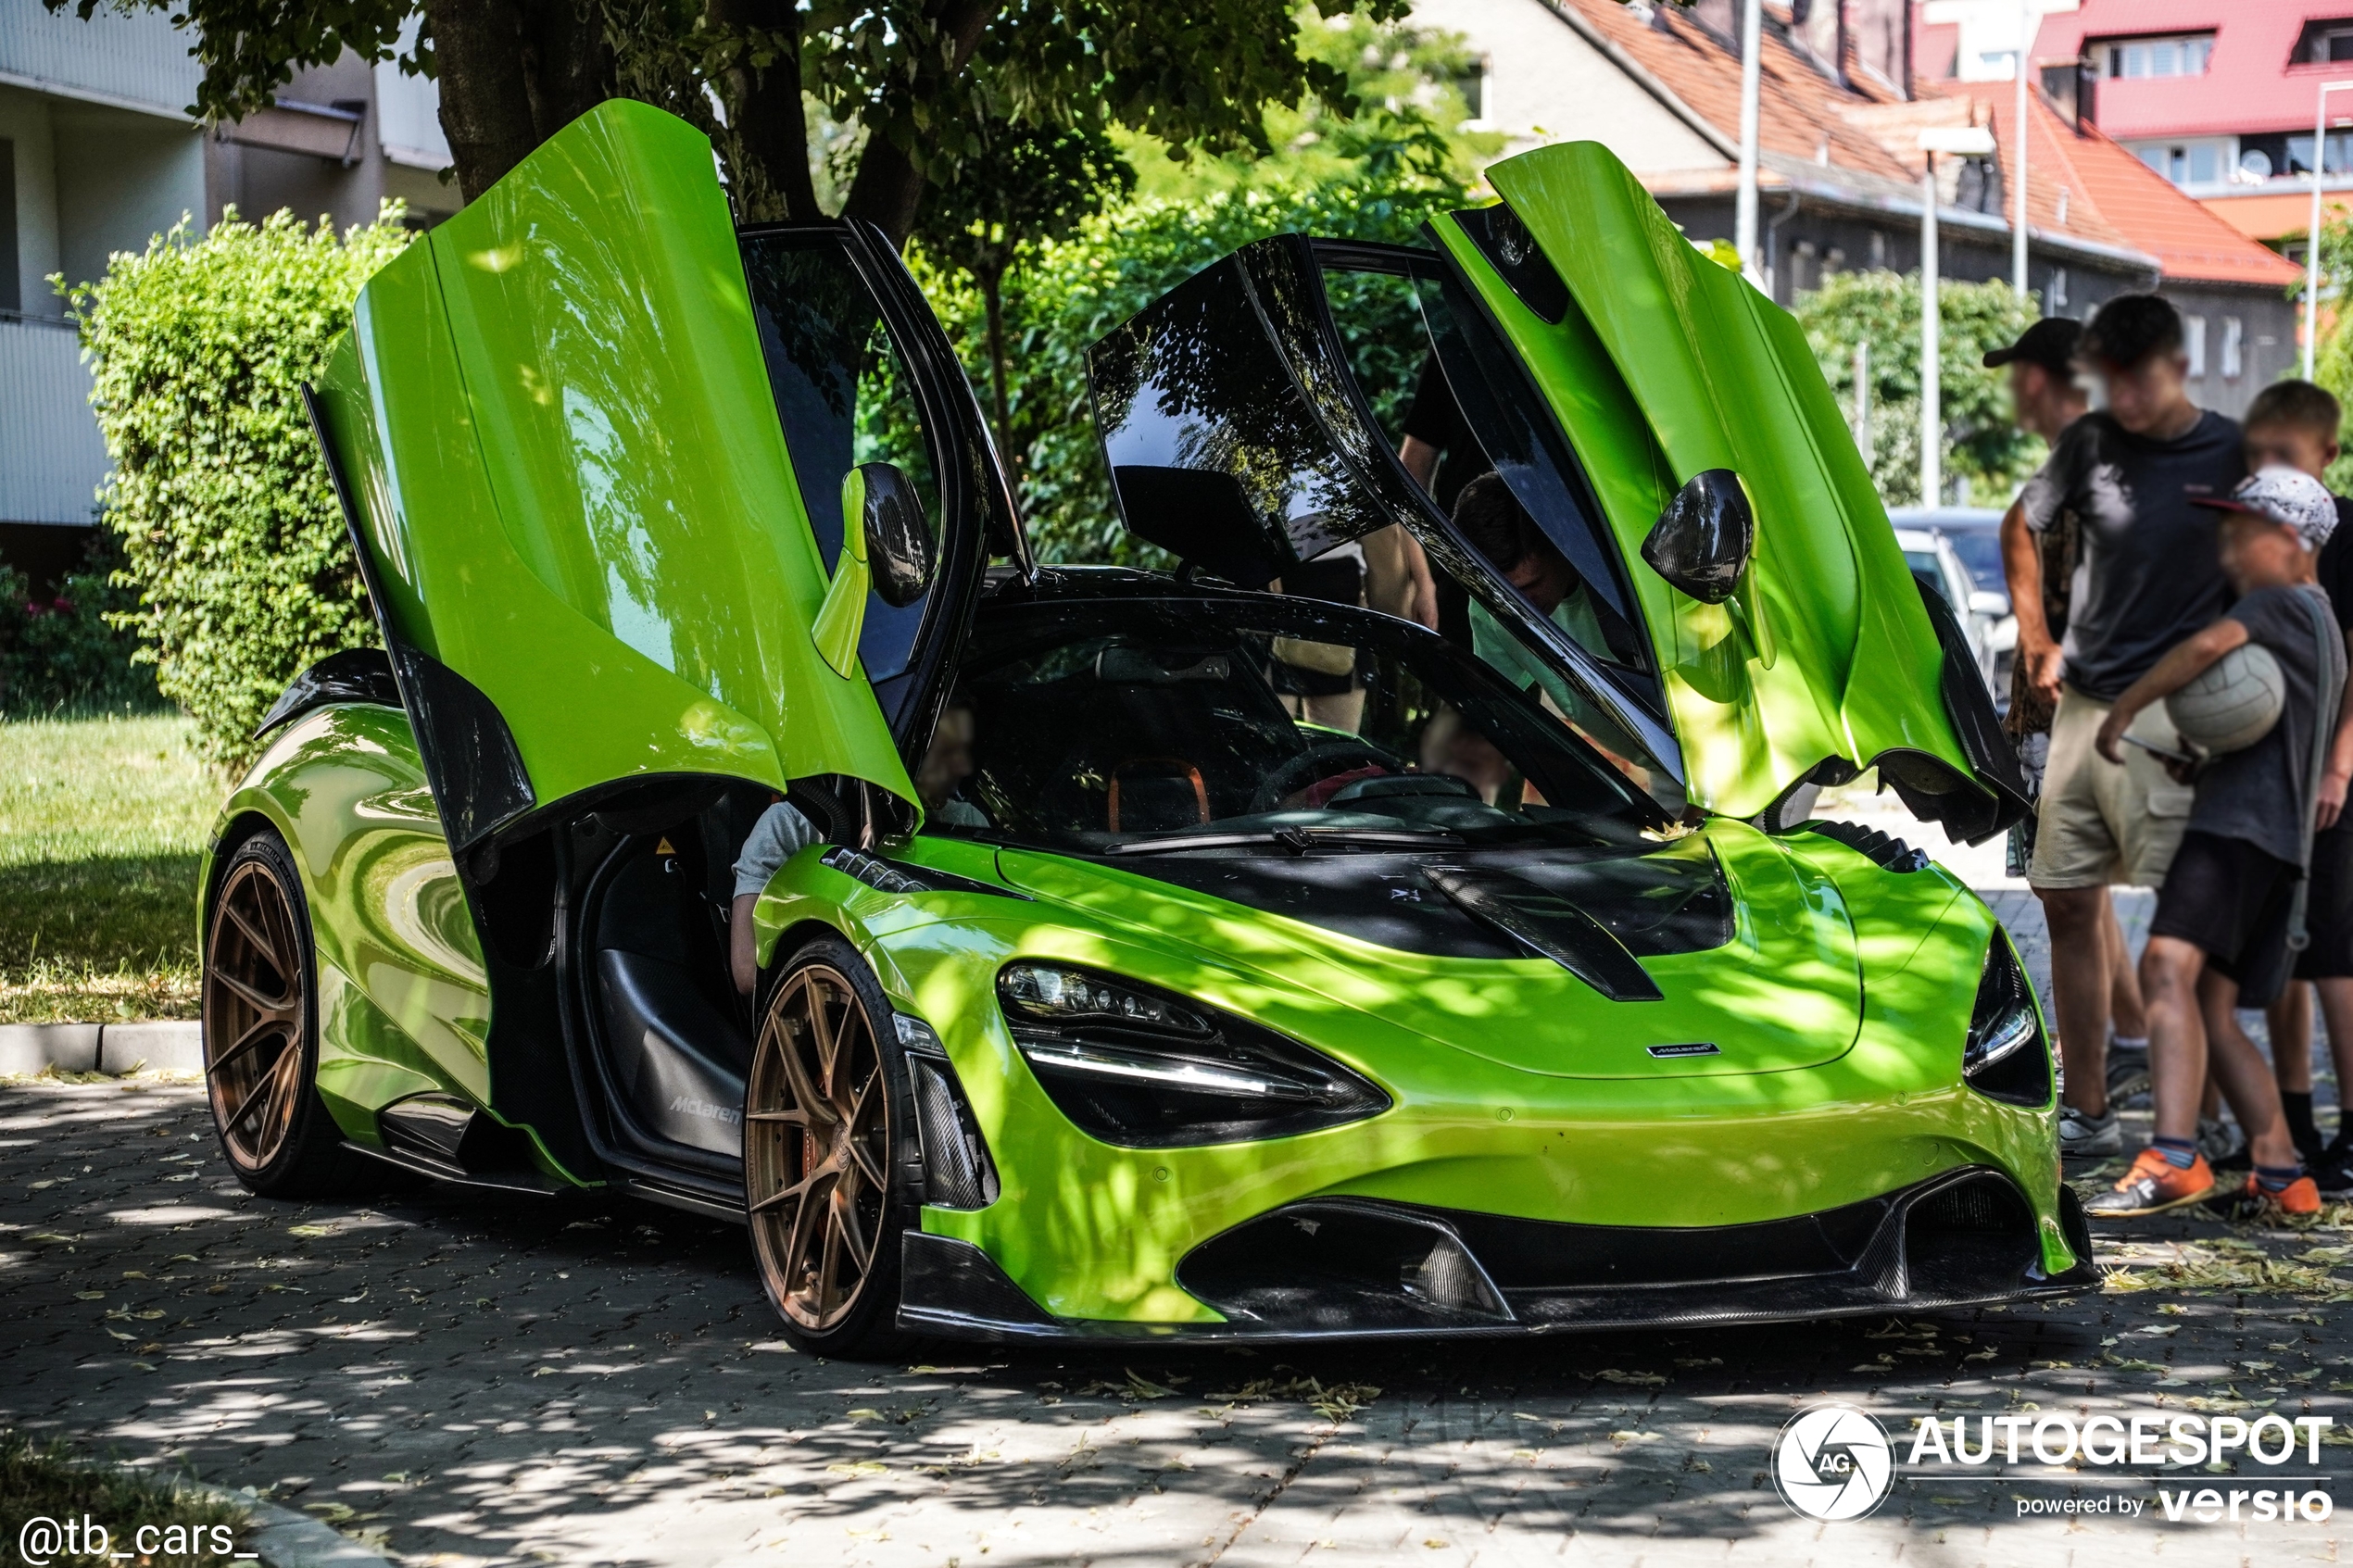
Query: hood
[1749,949]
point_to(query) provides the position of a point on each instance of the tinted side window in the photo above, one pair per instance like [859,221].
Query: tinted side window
[845,397]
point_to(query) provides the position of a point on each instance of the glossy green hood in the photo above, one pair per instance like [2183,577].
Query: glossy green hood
[1666,365]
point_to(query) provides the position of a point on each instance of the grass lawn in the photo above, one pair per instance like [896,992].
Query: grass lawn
[44,1481]
[100,824]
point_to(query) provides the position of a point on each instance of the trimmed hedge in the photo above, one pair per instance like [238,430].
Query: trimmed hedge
[229,529]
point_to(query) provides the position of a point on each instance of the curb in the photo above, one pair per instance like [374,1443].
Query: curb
[117,1048]
[287,1539]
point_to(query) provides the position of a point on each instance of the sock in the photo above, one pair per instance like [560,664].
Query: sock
[2128,1043]
[2180,1153]
[2275,1178]
[2299,1119]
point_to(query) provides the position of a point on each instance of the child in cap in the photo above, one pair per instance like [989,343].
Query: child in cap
[2230,895]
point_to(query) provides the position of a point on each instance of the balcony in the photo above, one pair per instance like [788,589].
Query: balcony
[51,456]
[135,62]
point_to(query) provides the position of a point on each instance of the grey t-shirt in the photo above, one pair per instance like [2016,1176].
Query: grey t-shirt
[2262,793]
[781,833]
[2151,572]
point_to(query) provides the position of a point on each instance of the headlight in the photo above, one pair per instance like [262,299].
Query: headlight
[1136,1066]
[2006,1057]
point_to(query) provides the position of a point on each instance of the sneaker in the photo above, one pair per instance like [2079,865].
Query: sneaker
[2128,1076]
[2153,1185]
[2333,1174]
[2220,1143]
[2085,1137]
[2251,1205]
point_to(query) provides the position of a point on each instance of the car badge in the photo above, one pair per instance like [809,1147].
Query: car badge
[1693,1048]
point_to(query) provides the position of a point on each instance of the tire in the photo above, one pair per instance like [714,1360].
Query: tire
[261,1029]
[832,1163]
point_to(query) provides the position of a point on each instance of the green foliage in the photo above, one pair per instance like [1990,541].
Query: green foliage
[48,1480]
[230,533]
[1072,293]
[2332,358]
[69,652]
[1882,309]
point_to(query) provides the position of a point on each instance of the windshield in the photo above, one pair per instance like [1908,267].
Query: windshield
[1147,725]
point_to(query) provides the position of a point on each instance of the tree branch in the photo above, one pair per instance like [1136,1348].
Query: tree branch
[888,189]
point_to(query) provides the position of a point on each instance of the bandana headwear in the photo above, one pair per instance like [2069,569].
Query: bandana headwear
[2290,497]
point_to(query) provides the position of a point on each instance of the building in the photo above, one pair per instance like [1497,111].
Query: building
[98,153]
[2219,98]
[1974,40]
[1841,177]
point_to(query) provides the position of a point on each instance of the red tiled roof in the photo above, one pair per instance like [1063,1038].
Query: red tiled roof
[2249,88]
[2113,200]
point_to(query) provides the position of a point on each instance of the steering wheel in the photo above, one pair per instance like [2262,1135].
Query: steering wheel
[1318,761]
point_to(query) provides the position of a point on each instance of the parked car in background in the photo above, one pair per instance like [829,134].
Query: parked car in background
[1957,551]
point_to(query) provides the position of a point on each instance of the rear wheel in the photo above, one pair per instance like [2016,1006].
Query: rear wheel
[831,1160]
[261,1029]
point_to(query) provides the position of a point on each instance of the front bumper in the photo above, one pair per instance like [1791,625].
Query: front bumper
[1350,1267]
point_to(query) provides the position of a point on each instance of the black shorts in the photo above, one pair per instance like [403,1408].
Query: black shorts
[2328,908]
[2229,899]
[1339,581]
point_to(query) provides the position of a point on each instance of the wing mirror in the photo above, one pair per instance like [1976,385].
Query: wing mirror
[1701,542]
[886,547]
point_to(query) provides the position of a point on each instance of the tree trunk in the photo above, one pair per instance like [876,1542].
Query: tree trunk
[992,293]
[486,102]
[567,63]
[888,188]
[767,113]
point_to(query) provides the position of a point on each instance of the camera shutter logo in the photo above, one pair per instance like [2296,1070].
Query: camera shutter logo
[1834,1462]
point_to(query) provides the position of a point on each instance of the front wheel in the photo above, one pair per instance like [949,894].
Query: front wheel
[261,1029]
[832,1163]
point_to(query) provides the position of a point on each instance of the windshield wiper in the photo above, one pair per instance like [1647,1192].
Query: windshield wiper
[1297,840]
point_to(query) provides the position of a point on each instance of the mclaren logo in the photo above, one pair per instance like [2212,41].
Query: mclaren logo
[1690,1047]
[686,1105]
[1834,1462]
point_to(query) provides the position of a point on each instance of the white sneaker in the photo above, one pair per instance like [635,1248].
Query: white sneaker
[2085,1137]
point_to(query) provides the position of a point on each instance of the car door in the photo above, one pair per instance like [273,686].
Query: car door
[1605,367]
[593,441]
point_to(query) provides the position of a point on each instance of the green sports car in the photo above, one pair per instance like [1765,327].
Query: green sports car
[1183,955]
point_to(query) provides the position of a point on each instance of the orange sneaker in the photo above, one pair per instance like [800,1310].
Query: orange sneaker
[2155,1185]
[2298,1199]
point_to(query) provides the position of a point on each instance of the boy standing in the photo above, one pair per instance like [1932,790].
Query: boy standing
[2295,424]
[2229,894]
[2130,475]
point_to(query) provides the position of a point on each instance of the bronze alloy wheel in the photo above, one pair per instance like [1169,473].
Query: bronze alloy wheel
[817,1147]
[254,1008]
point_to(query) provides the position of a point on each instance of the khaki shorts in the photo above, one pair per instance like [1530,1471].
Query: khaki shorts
[2098,824]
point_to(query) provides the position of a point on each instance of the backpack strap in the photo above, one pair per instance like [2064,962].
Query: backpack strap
[2328,684]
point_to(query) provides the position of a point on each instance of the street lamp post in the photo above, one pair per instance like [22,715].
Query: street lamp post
[1744,197]
[2312,235]
[1964,141]
[2018,118]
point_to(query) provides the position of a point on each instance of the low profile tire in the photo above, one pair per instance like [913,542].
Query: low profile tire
[261,1029]
[832,1163]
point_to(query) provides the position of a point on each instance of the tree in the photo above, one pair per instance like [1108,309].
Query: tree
[1027,186]
[2332,356]
[924,80]
[1881,310]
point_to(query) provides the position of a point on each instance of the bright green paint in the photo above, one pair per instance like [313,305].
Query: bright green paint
[843,615]
[1667,366]
[558,430]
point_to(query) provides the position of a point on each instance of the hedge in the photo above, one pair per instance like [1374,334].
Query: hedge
[229,530]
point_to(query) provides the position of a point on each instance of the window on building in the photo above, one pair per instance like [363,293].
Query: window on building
[10,298]
[2194,340]
[2058,289]
[2185,56]
[1472,85]
[2188,163]
[2338,151]
[2234,334]
[2325,43]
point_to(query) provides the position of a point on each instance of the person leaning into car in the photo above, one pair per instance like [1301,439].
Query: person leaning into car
[2040,568]
[2132,474]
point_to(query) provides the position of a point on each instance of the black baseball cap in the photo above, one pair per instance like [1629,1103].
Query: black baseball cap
[2049,343]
